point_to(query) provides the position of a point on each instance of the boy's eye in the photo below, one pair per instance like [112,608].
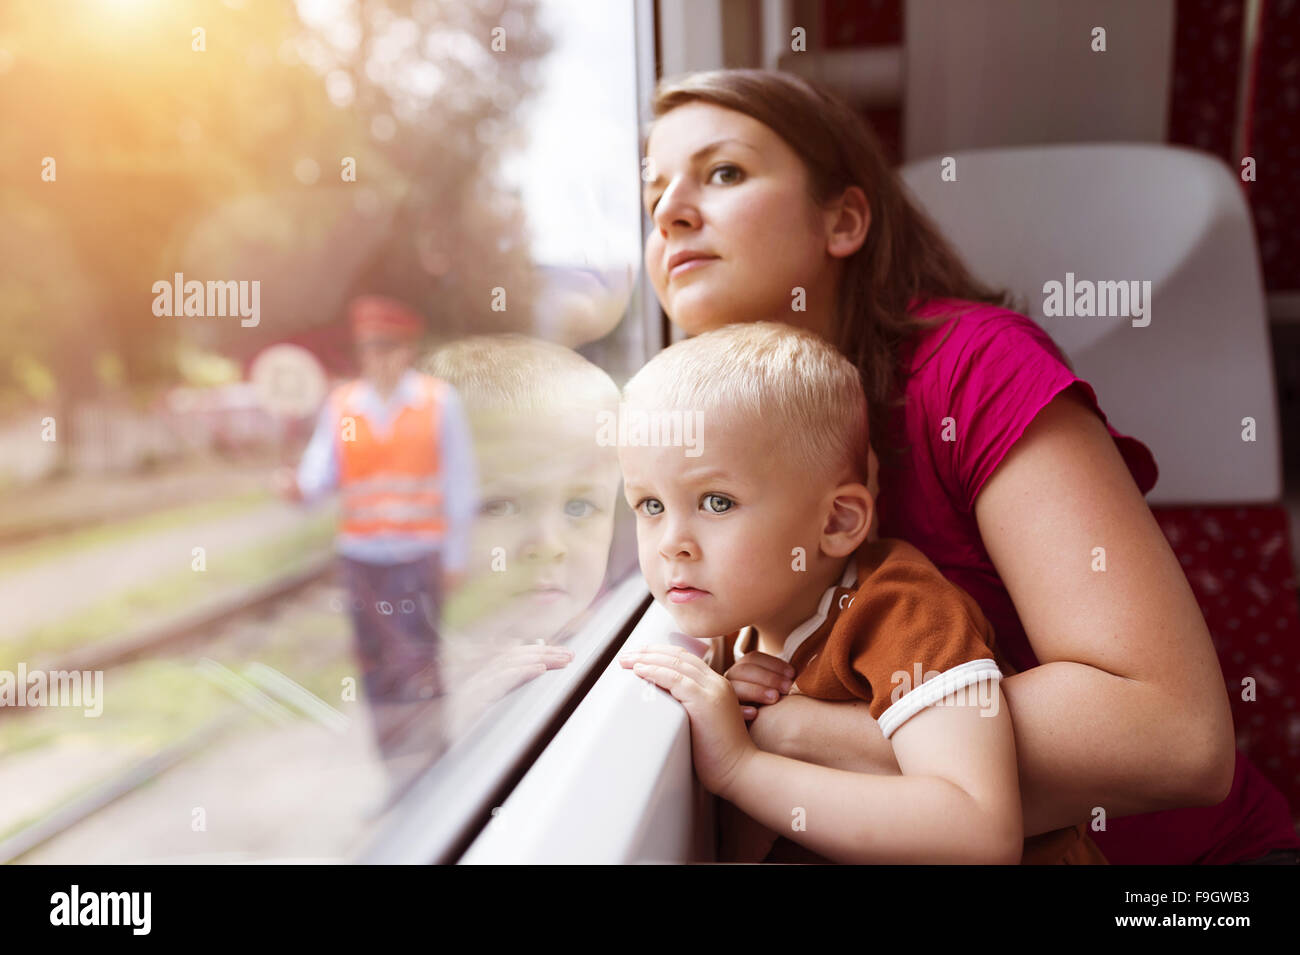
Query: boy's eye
[651,507]
[499,507]
[579,507]
[717,503]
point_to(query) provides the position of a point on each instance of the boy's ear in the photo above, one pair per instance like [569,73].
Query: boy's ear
[848,519]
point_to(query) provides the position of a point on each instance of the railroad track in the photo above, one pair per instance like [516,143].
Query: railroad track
[113,789]
[260,691]
[196,621]
[263,692]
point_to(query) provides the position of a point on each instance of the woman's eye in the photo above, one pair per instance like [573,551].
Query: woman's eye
[579,507]
[733,177]
[730,175]
[499,507]
[717,503]
[651,507]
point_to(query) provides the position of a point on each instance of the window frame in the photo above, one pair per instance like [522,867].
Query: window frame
[452,801]
[617,784]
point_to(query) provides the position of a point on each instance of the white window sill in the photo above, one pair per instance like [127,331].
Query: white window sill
[615,785]
[440,812]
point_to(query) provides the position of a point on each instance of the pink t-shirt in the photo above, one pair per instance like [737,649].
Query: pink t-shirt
[993,374]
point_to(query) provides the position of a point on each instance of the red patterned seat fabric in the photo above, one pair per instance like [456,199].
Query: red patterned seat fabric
[1238,562]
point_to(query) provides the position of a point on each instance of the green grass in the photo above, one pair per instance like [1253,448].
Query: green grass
[284,652]
[114,617]
[116,532]
[155,702]
[150,704]
[147,704]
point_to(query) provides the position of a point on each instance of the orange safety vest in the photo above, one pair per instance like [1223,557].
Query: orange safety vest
[391,484]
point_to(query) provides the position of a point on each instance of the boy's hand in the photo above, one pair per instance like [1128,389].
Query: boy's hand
[759,677]
[514,667]
[502,674]
[720,743]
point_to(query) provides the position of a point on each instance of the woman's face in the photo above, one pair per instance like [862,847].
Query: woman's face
[724,186]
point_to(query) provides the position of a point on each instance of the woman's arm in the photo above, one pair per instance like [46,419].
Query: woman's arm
[1128,710]
[839,735]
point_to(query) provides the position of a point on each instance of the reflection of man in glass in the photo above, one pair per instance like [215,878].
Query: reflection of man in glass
[396,444]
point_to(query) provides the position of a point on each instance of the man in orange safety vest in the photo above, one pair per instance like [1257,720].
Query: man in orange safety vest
[396,445]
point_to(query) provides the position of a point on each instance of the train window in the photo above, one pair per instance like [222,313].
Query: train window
[307,542]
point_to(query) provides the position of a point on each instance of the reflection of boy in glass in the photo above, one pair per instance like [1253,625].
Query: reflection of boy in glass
[540,545]
[395,444]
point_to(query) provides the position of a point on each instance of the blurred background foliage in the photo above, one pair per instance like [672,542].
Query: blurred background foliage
[221,155]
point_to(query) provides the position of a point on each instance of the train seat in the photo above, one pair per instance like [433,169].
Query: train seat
[1193,379]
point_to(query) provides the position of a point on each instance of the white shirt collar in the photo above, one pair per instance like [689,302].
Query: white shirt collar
[404,393]
[810,626]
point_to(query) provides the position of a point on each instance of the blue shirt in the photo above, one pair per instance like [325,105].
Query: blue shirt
[318,475]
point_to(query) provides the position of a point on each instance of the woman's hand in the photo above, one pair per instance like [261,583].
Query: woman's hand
[720,744]
[773,726]
[759,677]
[841,735]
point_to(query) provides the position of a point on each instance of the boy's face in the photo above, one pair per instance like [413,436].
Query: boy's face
[716,534]
[541,541]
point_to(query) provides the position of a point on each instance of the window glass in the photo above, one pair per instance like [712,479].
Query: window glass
[312,312]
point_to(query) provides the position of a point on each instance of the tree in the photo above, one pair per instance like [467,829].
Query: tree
[218,154]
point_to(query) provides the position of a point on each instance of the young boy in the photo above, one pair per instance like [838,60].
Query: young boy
[762,533]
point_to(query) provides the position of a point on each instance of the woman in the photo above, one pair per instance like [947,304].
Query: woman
[772,200]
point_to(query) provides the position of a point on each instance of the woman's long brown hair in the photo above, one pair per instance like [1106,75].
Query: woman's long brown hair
[904,256]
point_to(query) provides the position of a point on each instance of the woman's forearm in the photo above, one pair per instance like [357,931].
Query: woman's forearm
[1084,739]
[1087,739]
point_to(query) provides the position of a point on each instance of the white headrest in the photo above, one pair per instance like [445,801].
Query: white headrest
[1025,216]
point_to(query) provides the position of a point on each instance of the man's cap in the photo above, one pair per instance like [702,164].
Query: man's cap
[378,317]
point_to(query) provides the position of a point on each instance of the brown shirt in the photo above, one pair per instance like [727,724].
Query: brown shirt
[897,633]
[890,625]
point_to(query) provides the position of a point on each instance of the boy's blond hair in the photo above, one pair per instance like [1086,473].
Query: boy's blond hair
[782,378]
[512,377]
